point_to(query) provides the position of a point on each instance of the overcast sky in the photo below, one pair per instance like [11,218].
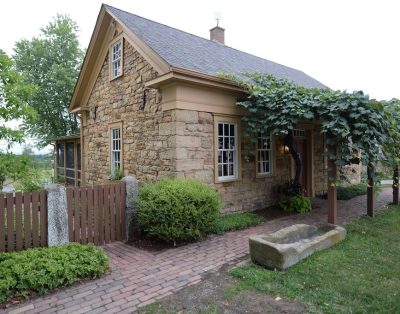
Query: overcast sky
[345,44]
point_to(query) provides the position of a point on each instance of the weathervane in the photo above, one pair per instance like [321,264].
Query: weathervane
[217,17]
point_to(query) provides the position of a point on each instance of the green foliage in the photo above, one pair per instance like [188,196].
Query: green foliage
[348,192]
[51,62]
[297,203]
[290,189]
[22,172]
[352,122]
[359,275]
[14,97]
[177,210]
[116,175]
[237,222]
[42,269]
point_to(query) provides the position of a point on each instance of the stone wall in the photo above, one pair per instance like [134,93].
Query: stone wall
[121,99]
[193,145]
[174,143]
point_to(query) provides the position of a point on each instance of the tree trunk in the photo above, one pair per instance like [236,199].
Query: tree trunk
[371,190]
[288,141]
[395,185]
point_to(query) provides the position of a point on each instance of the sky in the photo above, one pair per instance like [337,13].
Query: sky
[345,44]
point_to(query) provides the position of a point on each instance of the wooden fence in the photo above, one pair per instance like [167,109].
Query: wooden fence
[23,220]
[96,214]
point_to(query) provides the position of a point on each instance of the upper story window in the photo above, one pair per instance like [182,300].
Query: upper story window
[115,139]
[227,151]
[116,53]
[264,155]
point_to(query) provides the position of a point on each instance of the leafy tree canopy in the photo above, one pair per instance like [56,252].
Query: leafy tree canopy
[14,97]
[51,62]
[352,122]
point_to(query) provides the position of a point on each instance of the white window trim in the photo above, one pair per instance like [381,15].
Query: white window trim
[271,156]
[118,40]
[114,126]
[237,157]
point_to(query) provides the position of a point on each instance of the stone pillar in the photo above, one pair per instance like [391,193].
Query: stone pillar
[132,190]
[57,215]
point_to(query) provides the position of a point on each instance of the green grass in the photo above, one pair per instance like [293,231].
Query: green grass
[359,275]
[237,222]
[36,271]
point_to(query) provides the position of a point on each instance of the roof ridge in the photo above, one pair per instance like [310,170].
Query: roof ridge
[202,38]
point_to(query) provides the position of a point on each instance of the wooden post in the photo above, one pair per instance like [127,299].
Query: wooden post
[370,192]
[332,197]
[395,185]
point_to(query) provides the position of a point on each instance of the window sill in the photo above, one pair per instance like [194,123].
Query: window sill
[116,77]
[217,181]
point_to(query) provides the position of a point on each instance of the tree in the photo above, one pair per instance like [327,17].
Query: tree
[52,63]
[351,121]
[14,97]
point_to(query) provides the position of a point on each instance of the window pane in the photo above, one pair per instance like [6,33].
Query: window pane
[60,152]
[232,130]
[226,142]
[70,155]
[220,129]
[220,142]
[78,147]
[226,129]
[220,170]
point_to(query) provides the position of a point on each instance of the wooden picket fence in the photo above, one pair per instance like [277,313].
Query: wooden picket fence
[96,214]
[23,220]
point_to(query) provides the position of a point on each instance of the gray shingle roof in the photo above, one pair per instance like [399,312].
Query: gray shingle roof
[184,50]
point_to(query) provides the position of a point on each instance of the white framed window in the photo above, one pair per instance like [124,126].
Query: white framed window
[227,151]
[116,52]
[264,154]
[115,142]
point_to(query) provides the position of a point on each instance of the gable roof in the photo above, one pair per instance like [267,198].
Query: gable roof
[183,50]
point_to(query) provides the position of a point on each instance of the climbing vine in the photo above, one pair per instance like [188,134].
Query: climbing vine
[351,122]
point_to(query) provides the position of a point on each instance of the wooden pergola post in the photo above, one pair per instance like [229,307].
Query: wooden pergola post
[370,191]
[395,185]
[332,194]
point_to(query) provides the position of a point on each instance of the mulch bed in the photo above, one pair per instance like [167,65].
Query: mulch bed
[156,246]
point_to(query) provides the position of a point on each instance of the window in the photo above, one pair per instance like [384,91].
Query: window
[264,155]
[115,149]
[227,151]
[116,59]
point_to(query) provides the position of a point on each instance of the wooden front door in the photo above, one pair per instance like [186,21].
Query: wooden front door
[300,145]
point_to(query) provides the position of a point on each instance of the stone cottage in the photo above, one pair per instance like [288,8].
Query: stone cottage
[151,105]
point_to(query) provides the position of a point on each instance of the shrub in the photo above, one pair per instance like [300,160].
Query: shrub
[42,269]
[297,203]
[348,192]
[237,222]
[177,210]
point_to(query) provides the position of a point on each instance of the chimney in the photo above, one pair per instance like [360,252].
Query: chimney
[217,34]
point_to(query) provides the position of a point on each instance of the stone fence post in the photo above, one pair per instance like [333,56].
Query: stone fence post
[57,215]
[132,190]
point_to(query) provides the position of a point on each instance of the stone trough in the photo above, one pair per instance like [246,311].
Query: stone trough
[290,245]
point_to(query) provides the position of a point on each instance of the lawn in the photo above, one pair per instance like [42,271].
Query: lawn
[359,275]
[237,221]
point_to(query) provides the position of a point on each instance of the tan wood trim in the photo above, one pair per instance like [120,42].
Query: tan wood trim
[83,124]
[114,125]
[186,105]
[96,32]
[194,78]
[228,119]
[110,67]
[159,64]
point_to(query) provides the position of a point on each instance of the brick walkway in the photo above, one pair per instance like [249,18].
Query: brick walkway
[139,277]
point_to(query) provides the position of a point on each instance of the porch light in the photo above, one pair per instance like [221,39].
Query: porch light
[285,150]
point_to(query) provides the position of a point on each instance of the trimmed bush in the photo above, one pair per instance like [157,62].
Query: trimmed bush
[177,210]
[348,192]
[42,269]
[297,203]
[237,222]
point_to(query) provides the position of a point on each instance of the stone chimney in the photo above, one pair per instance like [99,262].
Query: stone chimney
[217,34]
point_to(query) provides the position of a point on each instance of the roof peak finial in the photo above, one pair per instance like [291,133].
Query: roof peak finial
[217,16]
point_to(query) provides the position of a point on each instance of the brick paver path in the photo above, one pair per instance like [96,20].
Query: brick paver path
[139,277]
